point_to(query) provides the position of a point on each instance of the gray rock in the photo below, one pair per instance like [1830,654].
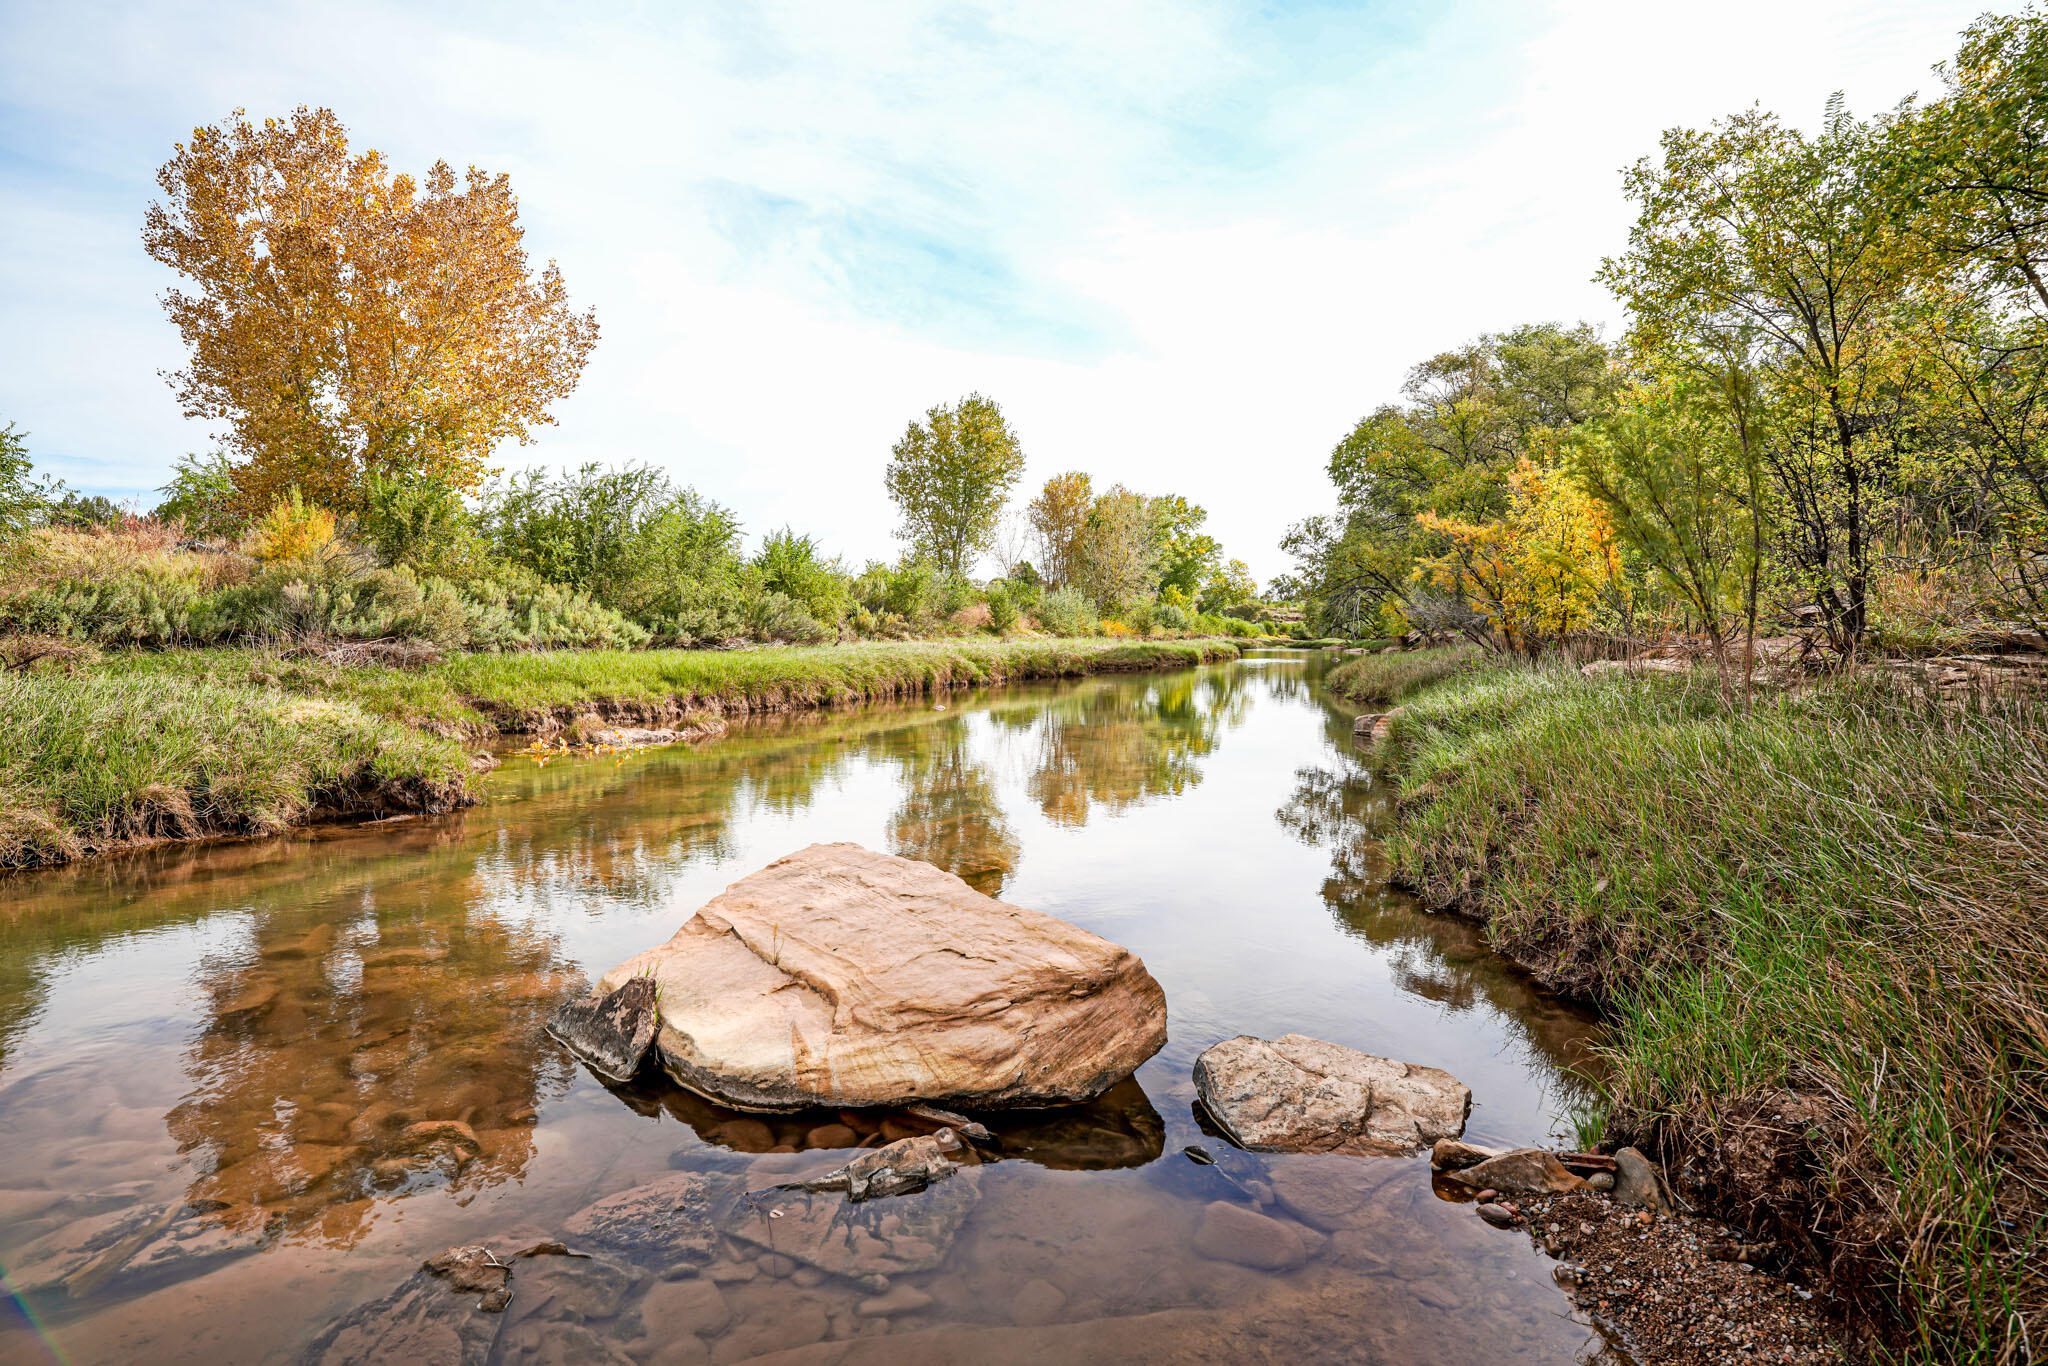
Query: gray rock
[1297,1094]
[612,1032]
[908,1164]
[1497,1215]
[1637,1182]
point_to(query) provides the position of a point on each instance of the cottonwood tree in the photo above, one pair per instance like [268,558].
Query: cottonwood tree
[950,476]
[1059,519]
[1119,550]
[344,319]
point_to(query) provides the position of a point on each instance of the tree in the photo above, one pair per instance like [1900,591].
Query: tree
[1059,519]
[1537,573]
[1679,483]
[1466,417]
[1119,550]
[1750,228]
[950,476]
[343,319]
[21,498]
[1186,555]
[1228,586]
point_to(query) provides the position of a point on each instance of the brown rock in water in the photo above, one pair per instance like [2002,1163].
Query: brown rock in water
[1523,1171]
[611,1033]
[1232,1233]
[1297,1094]
[1454,1154]
[842,977]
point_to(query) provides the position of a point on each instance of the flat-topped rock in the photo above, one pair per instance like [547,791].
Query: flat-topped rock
[1295,1094]
[842,977]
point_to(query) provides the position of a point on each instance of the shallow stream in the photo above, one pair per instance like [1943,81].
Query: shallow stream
[211,1058]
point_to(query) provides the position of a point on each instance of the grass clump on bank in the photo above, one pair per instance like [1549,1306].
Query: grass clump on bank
[1819,930]
[97,761]
[1393,675]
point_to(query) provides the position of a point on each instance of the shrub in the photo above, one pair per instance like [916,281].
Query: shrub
[1171,617]
[1066,612]
[293,529]
[792,565]
[201,498]
[1003,610]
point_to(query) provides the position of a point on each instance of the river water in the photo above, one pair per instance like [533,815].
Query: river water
[214,1062]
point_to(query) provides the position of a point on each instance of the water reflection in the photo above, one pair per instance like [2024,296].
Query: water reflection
[333,1041]
[394,1050]
[1342,806]
[1112,748]
[1119,1128]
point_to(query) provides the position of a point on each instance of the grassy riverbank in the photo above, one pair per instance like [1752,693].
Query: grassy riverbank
[145,746]
[1818,930]
[1391,676]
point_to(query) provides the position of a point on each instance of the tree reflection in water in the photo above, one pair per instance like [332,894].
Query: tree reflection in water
[1115,747]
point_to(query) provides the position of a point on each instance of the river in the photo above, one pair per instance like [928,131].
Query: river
[209,1056]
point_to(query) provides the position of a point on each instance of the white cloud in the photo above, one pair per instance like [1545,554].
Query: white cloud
[1184,245]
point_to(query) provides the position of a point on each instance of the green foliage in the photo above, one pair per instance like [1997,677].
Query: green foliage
[793,566]
[1004,609]
[201,498]
[24,501]
[1067,612]
[950,476]
[420,523]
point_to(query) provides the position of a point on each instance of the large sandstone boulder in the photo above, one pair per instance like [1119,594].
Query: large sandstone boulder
[1295,1094]
[842,977]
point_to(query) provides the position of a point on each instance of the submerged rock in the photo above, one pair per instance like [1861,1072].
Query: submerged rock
[1297,1094]
[613,1032]
[842,977]
[908,1164]
[886,1237]
[673,1218]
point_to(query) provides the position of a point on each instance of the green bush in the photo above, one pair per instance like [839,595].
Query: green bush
[793,566]
[1067,612]
[1003,610]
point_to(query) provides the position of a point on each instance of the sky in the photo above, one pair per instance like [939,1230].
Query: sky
[1186,246]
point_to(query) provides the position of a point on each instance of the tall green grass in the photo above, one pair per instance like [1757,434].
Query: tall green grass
[1393,675]
[1833,907]
[96,761]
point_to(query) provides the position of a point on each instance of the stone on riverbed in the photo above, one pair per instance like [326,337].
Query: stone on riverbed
[1297,1094]
[1522,1171]
[842,977]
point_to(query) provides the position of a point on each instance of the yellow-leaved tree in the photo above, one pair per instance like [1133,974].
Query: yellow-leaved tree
[344,320]
[1538,572]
